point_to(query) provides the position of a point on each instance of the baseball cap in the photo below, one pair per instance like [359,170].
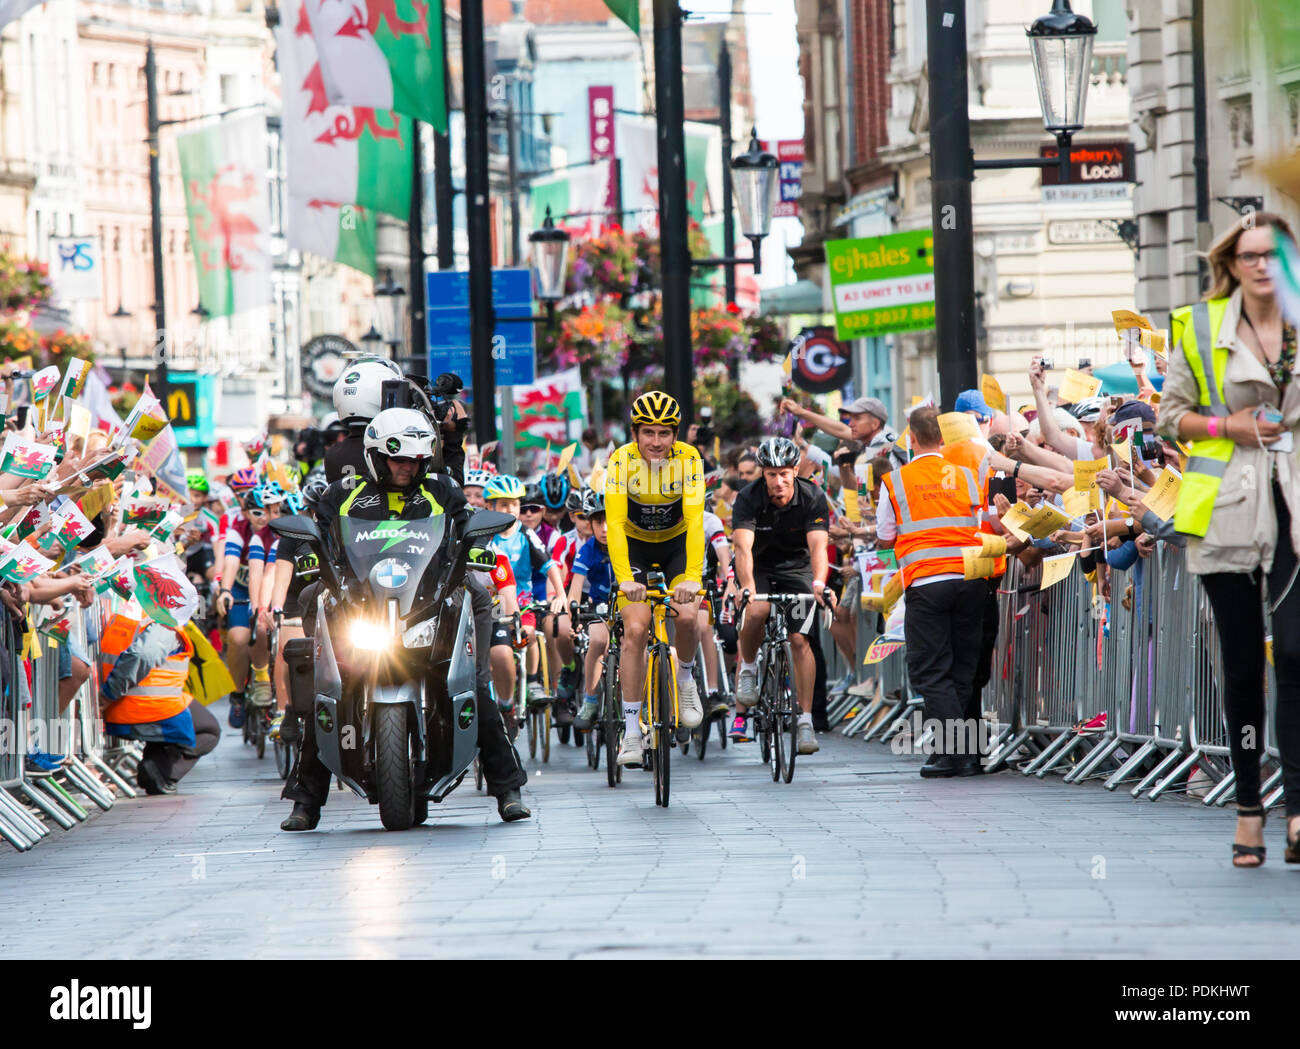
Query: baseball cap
[973,401]
[1133,410]
[870,405]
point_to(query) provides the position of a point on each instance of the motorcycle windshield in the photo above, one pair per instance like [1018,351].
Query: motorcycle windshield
[392,556]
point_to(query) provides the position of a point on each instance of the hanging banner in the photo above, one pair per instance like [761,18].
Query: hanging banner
[600,128]
[790,156]
[76,268]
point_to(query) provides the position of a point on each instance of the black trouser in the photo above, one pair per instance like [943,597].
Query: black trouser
[501,768]
[819,682]
[1238,609]
[941,627]
[988,640]
[171,759]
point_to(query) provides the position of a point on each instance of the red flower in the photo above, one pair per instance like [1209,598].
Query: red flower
[732,308]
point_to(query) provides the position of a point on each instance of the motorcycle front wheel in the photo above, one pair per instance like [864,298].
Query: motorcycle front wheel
[393,768]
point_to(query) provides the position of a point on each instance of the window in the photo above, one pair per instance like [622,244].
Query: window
[830,106]
[1111,21]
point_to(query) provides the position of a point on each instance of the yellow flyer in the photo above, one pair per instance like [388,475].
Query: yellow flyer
[1124,451]
[1086,471]
[993,395]
[1078,503]
[1162,500]
[851,509]
[565,456]
[1056,568]
[1078,386]
[1045,519]
[958,426]
[1014,521]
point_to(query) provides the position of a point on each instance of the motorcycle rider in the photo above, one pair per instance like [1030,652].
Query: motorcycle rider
[401,448]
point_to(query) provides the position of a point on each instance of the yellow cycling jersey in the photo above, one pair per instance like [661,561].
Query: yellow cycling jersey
[655,502]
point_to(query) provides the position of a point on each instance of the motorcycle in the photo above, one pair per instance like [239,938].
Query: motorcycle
[395,707]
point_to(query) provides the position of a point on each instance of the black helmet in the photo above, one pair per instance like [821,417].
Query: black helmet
[573,501]
[778,451]
[532,495]
[593,502]
[555,487]
[313,487]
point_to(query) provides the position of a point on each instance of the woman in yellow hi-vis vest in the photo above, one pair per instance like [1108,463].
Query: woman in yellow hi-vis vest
[1232,394]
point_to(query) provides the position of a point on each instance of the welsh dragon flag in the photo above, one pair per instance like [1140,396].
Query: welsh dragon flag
[543,410]
[165,592]
[224,171]
[384,54]
[626,11]
[344,161]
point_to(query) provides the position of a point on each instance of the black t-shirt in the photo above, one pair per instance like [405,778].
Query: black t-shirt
[306,570]
[781,533]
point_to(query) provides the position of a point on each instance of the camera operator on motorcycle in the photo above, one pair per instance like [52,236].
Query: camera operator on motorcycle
[401,448]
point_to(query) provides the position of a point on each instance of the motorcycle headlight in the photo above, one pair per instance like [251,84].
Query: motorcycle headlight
[421,635]
[370,637]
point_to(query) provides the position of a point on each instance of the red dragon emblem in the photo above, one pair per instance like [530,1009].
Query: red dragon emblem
[234,232]
[351,124]
[386,11]
[162,589]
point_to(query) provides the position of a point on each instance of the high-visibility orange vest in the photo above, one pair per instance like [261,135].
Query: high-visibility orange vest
[932,500]
[971,455]
[161,694]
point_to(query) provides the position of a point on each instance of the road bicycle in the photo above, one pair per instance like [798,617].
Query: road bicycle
[776,714]
[258,716]
[609,715]
[700,734]
[660,712]
[593,738]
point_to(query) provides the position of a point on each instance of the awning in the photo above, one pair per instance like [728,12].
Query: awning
[800,297]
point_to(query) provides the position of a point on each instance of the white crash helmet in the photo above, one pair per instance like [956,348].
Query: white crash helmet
[402,432]
[476,478]
[358,394]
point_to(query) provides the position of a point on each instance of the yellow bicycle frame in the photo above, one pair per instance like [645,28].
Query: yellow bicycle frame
[658,633]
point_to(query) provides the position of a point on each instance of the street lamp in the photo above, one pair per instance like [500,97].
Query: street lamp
[119,326]
[373,342]
[1061,45]
[390,302]
[754,175]
[550,259]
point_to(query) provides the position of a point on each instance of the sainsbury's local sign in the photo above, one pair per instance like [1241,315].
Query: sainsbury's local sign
[882,284]
[1098,171]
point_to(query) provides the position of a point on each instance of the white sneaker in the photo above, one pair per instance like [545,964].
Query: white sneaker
[747,687]
[688,701]
[807,742]
[631,751]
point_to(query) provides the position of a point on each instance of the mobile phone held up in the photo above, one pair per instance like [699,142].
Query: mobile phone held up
[1268,414]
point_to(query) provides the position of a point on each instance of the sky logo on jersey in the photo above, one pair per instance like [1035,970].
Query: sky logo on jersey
[391,574]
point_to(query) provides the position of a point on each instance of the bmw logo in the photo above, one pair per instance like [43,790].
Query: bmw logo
[391,573]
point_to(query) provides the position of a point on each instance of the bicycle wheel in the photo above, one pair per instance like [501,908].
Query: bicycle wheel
[544,719]
[789,714]
[611,714]
[532,733]
[663,735]
[283,758]
[478,774]
[593,748]
[722,732]
[761,717]
[259,735]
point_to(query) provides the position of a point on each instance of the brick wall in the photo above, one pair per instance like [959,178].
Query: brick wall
[870,58]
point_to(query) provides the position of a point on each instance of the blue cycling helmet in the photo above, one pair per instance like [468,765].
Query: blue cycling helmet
[293,503]
[555,489]
[504,486]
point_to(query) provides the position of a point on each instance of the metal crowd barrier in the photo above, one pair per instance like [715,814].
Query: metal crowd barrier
[30,719]
[1130,690]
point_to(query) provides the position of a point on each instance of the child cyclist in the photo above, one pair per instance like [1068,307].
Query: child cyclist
[528,560]
[592,571]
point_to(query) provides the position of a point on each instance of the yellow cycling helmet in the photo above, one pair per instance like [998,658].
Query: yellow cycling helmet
[656,409]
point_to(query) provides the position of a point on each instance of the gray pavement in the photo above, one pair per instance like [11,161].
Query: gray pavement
[857,857]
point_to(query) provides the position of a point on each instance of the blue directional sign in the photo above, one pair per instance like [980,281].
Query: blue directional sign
[513,346]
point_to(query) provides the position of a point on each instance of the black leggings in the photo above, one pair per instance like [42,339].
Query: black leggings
[1239,617]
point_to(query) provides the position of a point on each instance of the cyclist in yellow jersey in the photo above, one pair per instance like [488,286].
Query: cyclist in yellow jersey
[654,512]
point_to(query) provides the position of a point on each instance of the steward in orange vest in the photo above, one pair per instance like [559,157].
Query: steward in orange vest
[143,667]
[934,505]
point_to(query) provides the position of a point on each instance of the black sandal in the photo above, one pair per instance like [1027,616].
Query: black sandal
[1292,854]
[1254,850]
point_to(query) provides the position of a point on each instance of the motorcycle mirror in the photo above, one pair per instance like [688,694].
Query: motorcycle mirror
[485,524]
[296,526]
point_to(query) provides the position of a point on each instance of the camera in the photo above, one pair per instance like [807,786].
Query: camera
[1084,362]
[442,392]
[1047,363]
[704,430]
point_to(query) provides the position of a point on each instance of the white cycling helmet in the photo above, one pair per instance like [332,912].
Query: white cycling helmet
[477,478]
[358,394]
[402,432]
